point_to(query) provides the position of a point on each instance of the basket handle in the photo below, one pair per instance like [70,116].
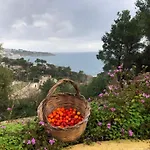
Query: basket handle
[52,90]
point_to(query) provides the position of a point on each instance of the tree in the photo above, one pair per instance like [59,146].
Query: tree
[1,50]
[46,87]
[122,43]
[5,82]
[96,86]
[40,61]
[143,14]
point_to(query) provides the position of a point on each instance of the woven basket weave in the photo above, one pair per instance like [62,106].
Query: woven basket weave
[65,100]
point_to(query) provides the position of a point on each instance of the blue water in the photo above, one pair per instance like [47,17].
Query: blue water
[86,62]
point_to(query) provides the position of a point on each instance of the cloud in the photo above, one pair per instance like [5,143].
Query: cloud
[56,25]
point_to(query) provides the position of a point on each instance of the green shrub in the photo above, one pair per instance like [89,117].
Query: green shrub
[5,82]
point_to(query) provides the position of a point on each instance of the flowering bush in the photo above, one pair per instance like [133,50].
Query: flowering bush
[117,113]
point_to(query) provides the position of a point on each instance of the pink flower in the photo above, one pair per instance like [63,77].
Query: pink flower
[112,109]
[106,94]
[52,141]
[110,87]
[108,125]
[142,101]
[101,95]
[99,123]
[108,73]
[33,141]
[45,148]
[105,106]
[130,132]
[112,75]
[120,67]
[3,127]
[146,95]
[116,70]
[9,109]
[41,123]
[28,142]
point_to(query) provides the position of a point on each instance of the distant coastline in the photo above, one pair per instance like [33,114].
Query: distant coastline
[18,53]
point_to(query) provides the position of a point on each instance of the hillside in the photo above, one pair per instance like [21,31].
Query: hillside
[17,53]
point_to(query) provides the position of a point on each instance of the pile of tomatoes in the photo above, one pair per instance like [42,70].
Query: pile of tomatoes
[62,117]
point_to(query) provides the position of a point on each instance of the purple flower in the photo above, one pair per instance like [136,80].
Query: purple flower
[33,141]
[28,142]
[101,95]
[3,127]
[108,125]
[99,123]
[41,123]
[130,132]
[52,141]
[89,99]
[112,109]
[142,101]
[9,109]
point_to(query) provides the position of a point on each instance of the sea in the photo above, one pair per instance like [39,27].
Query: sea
[85,61]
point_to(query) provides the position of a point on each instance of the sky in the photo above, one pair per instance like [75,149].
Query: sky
[58,25]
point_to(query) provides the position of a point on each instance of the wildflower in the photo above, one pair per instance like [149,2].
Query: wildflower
[106,94]
[146,95]
[9,109]
[142,101]
[89,99]
[45,148]
[3,127]
[101,95]
[112,109]
[116,93]
[41,123]
[130,132]
[105,106]
[99,123]
[28,142]
[52,141]
[108,125]
[115,71]
[120,67]
[110,87]
[112,75]
[33,141]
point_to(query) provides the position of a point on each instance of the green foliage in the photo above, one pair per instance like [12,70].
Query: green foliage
[26,107]
[46,87]
[122,43]
[5,82]
[143,14]
[33,72]
[122,113]
[1,50]
[97,85]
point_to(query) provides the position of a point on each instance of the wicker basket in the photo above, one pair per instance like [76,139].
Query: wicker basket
[65,100]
